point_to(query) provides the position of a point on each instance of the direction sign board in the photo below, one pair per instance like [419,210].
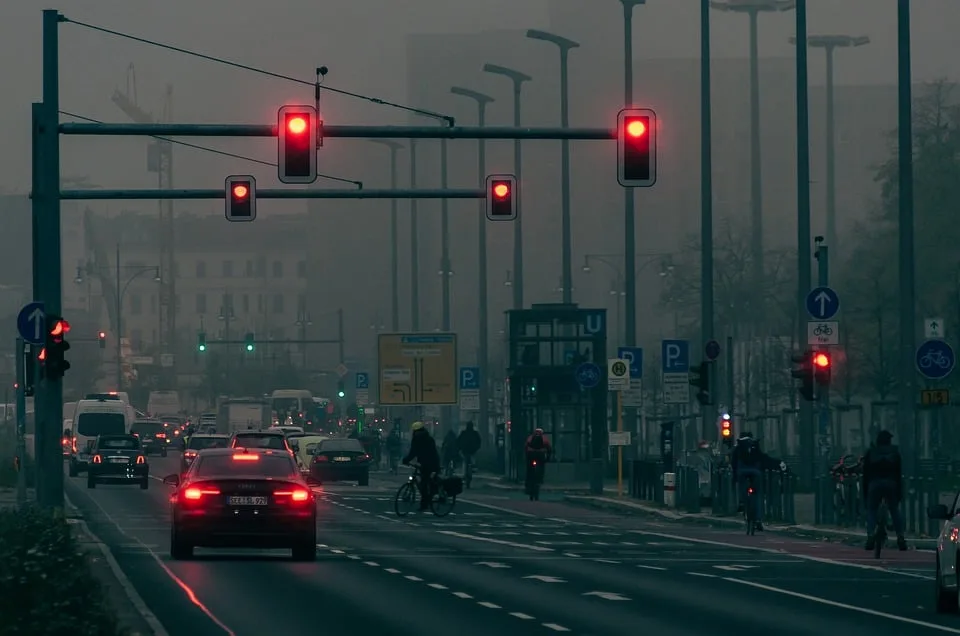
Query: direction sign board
[588,375]
[935,359]
[633,397]
[823,332]
[618,374]
[362,396]
[711,350]
[470,388]
[933,328]
[31,323]
[634,357]
[363,380]
[823,303]
[417,368]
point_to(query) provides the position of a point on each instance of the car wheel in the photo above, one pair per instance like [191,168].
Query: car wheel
[145,483]
[946,602]
[72,469]
[364,481]
[91,481]
[305,550]
[179,550]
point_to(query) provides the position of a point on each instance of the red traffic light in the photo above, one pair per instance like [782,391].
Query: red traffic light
[501,197]
[636,128]
[59,328]
[240,191]
[297,124]
[297,135]
[501,190]
[241,198]
[821,360]
[102,335]
[637,147]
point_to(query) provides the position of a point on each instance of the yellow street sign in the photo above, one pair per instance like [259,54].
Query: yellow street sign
[935,397]
[417,368]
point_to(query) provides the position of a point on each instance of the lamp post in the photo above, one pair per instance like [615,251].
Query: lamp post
[564,45]
[394,147]
[613,263]
[303,321]
[518,79]
[481,100]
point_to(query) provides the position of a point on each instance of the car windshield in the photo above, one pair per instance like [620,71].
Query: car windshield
[200,443]
[275,442]
[176,421]
[229,465]
[147,428]
[94,424]
[350,445]
[119,443]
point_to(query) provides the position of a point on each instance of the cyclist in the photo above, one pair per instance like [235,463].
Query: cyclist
[450,453]
[394,444]
[537,448]
[468,443]
[747,462]
[423,449]
[883,480]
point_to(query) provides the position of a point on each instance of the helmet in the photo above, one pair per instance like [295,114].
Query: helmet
[416,426]
[538,431]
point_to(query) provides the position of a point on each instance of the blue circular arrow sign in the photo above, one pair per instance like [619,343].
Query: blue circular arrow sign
[588,375]
[822,303]
[935,359]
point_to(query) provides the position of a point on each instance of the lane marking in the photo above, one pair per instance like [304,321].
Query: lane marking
[411,577]
[391,570]
[555,627]
[704,575]
[462,595]
[489,604]
[372,564]
[652,567]
[608,561]
[524,546]
[852,608]
[437,586]
[521,616]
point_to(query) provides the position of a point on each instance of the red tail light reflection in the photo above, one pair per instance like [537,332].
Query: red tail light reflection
[297,495]
[97,459]
[141,460]
[246,458]
[195,494]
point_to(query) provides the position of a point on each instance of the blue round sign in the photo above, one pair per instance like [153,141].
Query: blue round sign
[712,350]
[822,303]
[935,359]
[588,375]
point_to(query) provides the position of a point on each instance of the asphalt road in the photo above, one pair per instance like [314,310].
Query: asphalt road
[502,565]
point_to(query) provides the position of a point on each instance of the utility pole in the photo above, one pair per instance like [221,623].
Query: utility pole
[445,271]
[708,412]
[821,253]
[414,245]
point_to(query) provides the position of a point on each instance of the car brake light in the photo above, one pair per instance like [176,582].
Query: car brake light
[161,435]
[321,458]
[297,495]
[97,459]
[363,458]
[141,460]
[195,494]
[534,462]
[246,458]
[749,491]
[191,454]
[137,435]
[176,431]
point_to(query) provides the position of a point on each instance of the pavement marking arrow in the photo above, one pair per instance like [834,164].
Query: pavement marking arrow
[608,596]
[734,568]
[545,579]
[493,564]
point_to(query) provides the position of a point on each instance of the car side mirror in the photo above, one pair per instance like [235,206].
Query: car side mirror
[172,480]
[939,511]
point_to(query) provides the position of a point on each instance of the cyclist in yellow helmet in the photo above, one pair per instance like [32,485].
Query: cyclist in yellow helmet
[423,448]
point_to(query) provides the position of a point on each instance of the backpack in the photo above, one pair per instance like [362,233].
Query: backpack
[749,452]
[536,442]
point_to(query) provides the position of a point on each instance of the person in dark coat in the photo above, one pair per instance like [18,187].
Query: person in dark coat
[883,481]
[423,448]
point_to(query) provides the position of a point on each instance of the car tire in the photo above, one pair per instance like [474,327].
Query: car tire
[364,481]
[179,550]
[72,469]
[946,601]
[91,481]
[305,550]
[145,483]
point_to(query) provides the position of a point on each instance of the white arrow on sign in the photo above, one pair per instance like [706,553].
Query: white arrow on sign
[493,564]
[608,596]
[824,299]
[545,579]
[733,568]
[36,317]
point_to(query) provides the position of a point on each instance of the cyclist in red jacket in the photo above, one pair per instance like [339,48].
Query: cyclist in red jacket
[537,448]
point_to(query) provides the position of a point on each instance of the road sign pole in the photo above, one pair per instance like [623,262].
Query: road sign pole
[619,447]
[21,406]
[823,280]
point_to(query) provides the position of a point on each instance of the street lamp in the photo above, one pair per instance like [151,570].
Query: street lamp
[394,147]
[564,45]
[518,79]
[618,289]
[829,43]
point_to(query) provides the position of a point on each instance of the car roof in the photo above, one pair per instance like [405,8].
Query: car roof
[209,436]
[260,433]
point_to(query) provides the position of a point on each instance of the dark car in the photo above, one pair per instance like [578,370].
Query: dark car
[243,498]
[198,443]
[118,458]
[153,437]
[261,439]
[340,460]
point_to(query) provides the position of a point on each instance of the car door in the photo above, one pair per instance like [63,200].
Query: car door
[948,538]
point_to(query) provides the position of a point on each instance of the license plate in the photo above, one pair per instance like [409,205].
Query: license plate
[119,460]
[248,501]
[341,459]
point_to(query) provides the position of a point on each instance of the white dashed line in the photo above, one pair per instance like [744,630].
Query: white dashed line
[353,556]
[708,576]
[437,586]
[555,627]
[489,604]
[521,616]
[462,595]
[335,551]
[571,554]
[372,564]
[652,567]
[415,579]
[608,561]
[391,570]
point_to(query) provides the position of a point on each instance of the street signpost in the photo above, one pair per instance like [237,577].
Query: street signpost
[633,396]
[823,332]
[362,388]
[618,374]
[588,375]
[935,397]
[822,303]
[933,329]
[342,369]
[935,359]
[417,369]
[469,388]
[675,359]
[31,323]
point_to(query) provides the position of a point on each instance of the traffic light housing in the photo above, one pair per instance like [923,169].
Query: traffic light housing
[249,343]
[822,368]
[804,373]
[54,363]
[241,198]
[201,342]
[102,339]
[701,376]
[502,197]
[30,369]
[726,429]
[340,392]
[637,147]
[297,144]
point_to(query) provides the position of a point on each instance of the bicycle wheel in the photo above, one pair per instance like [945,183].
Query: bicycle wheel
[751,522]
[406,499]
[880,535]
[442,504]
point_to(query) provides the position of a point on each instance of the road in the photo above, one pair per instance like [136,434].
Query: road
[503,565]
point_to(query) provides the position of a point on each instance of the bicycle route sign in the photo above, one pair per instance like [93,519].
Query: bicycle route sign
[823,332]
[935,359]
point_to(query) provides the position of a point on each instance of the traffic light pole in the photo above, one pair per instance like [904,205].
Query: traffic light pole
[823,280]
[220,193]
[21,425]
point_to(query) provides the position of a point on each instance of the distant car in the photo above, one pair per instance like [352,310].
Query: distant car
[243,498]
[340,460]
[198,443]
[305,448]
[118,458]
[153,437]
[289,431]
[261,439]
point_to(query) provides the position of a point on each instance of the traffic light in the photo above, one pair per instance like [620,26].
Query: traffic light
[297,144]
[241,198]
[637,147]
[250,345]
[201,342]
[502,197]
[30,369]
[701,377]
[822,367]
[804,373]
[726,429]
[54,363]
[340,392]
[102,339]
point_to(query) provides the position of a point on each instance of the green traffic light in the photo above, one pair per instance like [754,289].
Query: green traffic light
[249,347]
[340,393]
[202,347]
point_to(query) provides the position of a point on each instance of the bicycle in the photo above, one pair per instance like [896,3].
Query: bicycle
[880,533]
[748,512]
[467,471]
[823,330]
[442,502]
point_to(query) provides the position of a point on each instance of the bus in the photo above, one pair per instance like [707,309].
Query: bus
[292,406]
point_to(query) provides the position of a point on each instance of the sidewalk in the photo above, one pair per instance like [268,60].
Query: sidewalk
[491,480]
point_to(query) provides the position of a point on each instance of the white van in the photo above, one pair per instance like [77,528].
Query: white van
[93,418]
[162,403]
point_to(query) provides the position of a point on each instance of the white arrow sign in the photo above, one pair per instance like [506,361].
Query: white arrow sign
[493,564]
[733,568]
[932,327]
[608,596]
[36,317]
[545,579]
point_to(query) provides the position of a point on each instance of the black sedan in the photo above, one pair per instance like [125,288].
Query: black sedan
[198,443]
[153,436]
[243,498]
[340,460]
[118,458]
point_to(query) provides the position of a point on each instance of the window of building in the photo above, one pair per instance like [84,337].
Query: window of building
[227,269]
[245,303]
[136,339]
[302,269]
[278,303]
[278,269]
[262,266]
[201,269]
[201,304]
[136,304]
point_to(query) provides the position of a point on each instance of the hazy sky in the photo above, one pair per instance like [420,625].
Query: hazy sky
[362,41]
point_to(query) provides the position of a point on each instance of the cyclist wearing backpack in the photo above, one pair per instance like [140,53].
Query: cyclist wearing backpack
[747,462]
[883,480]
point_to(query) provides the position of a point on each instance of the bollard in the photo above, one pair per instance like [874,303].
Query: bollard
[596,477]
[669,489]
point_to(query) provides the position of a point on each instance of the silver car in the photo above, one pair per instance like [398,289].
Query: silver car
[948,585]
